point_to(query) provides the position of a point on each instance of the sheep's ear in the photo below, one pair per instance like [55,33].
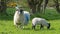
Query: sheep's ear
[16,7]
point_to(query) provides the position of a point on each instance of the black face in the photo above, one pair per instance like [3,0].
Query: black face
[49,25]
[21,11]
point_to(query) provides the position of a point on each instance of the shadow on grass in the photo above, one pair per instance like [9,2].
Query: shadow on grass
[27,29]
[52,29]
[39,29]
[45,29]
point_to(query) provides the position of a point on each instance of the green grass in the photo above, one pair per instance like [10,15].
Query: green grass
[7,27]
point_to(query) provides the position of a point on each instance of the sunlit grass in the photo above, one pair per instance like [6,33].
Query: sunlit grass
[7,27]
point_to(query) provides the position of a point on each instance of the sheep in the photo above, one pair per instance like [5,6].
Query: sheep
[18,17]
[42,22]
[21,17]
[27,17]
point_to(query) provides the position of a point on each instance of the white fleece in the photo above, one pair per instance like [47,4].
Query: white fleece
[39,21]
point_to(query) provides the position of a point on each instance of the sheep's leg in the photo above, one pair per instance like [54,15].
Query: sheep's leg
[41,26]
[33,27]
[21,26]
[17,26]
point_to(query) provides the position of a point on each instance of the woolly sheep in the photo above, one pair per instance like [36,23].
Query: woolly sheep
[18,18]
[21,18]
[41,22]
[27,17]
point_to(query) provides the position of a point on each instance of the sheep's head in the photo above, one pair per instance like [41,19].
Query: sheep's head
[21,9]
[49,26]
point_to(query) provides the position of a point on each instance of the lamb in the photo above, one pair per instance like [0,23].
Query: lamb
[21,17]
[42,22]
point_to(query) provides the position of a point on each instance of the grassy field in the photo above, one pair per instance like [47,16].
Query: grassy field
[7,27]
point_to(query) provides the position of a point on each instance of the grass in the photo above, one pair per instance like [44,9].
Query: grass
[7,27]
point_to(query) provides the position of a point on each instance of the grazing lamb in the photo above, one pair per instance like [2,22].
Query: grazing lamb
[41,22]
[21,17]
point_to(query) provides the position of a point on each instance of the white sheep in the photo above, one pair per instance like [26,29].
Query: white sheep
[21,18]
[42,22]
[18,18]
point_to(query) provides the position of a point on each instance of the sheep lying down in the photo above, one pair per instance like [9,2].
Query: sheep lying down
[42,22]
